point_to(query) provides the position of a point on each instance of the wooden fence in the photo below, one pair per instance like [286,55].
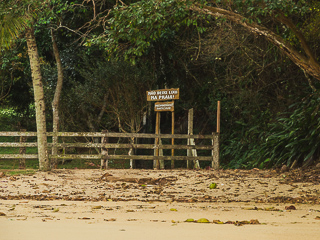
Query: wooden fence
[105,147]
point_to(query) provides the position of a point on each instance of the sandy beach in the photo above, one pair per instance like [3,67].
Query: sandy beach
[166,204]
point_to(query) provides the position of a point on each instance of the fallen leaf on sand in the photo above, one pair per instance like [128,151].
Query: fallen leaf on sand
[13,178]
[254,221]
[203,220]
[217,222]
[189,220]
[97,207]
[290,207]
[229,222]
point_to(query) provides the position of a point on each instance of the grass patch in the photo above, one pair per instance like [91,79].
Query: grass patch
[20,172]
[14,164]
[93,164]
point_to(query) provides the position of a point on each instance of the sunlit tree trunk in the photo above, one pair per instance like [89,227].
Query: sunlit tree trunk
[44,163]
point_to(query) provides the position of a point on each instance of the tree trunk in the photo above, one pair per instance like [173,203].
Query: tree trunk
[44,163]
[56,100]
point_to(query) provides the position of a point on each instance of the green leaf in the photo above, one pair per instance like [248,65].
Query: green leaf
[213,186]
[203,220]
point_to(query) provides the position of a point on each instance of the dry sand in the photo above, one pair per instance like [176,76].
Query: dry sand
[149,204]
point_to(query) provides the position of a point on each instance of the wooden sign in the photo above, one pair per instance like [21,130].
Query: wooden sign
[164,106]
[163,94]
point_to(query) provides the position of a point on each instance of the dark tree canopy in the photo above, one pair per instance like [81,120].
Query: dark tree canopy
[259,57]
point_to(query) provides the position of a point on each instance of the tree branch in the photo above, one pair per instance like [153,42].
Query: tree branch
[281,18]
[307,64]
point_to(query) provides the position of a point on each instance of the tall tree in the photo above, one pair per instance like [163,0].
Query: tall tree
[16,19]
[56,99]
[133,28]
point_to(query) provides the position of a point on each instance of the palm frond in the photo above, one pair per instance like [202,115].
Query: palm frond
[12,24]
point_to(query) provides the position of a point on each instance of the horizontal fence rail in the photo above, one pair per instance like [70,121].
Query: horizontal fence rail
[103,148]
[109,134]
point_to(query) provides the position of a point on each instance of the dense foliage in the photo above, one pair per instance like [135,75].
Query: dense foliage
[113,51]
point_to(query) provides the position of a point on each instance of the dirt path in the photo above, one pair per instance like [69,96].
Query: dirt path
[147,204]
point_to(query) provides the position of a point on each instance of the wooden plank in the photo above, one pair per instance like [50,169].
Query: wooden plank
[98,156]
[161,162]
[18,144]
[156,164]
[104,152]
[172,139]
[16,156]
[196,164]
[22,150]
[149,146]
[17,134]
[78,156]
[215,152]
[218,117]
[163,94]
[192,152]
[164,106]
[109,134]
[146,157]
[136,135]
[79,134]
[35,156]
[136,146]
[80,145]
[108,145]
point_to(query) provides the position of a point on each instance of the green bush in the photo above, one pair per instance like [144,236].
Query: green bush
[294,136]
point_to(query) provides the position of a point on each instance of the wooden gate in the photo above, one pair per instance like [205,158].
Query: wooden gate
[105,150]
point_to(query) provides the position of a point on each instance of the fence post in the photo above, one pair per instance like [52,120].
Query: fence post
[161,154]
[190,132]
[172,140]
[104,152]
[130,153]
[22,150]
[191,152]
[196,163]
[218,116]
[156,163]
[215,151]
[216,141]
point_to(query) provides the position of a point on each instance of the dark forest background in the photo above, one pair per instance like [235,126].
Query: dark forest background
[112,52]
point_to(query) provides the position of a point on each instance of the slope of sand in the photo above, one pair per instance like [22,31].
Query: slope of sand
[149,204]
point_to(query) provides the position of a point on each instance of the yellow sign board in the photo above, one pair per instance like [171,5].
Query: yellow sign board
[163,94]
